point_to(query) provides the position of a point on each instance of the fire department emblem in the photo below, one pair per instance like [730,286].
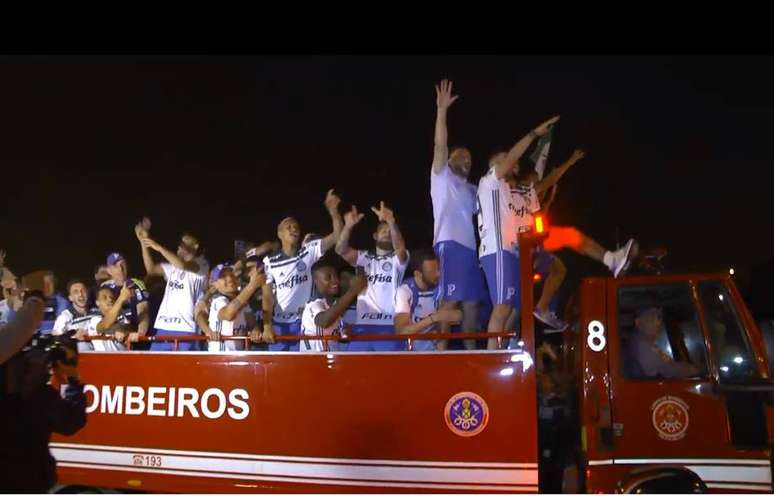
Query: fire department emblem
[670,417]
[466,414]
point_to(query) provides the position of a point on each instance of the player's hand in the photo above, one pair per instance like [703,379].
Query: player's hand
[577,155]
[149,243]
[125,294]
[448,316]
[352,217]
[384,213]
[332,200]
[255,336]
[443,94]
[80,334]
[120,336]
[268,335]
[542,129]
[134,337]
[257,277]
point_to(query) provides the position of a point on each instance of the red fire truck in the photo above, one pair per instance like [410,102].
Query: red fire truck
[455,421]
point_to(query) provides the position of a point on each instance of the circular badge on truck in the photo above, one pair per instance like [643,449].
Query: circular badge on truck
[466,414]
[670,417]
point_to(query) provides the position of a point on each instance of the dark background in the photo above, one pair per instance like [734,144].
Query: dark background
[679,150]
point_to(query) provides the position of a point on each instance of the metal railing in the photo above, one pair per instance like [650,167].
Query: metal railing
[501,337]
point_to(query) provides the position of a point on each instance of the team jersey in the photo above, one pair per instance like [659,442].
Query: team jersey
[69,320]
[454,203]
[184,289]
[139,294]
[291,280]
[498,213]
[416,302]
[531,201]
[104,344]
[6,313]
[236,327]
[385,274]
[309,328]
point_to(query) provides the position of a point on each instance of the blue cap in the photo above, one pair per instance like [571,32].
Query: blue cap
[114,258]
[218,270]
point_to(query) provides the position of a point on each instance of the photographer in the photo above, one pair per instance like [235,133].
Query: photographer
[30,409]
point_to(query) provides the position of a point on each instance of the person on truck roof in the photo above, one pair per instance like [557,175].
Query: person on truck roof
[289,273]
[230,313]
[324,316]
[185,272]
[416,308]
[454,234]
[384,267]
[649,360]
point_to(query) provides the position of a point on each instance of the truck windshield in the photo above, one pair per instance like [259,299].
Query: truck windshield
[728,336]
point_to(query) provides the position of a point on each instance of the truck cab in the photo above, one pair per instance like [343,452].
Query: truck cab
[705,422]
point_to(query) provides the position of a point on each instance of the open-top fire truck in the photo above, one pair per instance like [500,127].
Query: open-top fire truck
[454,421]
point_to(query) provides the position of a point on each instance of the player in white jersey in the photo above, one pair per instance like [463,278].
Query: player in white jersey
[562,237]
[110,320]
[454,238]
[77,316]
[186,277]
[324,316]
[502,215]
[416,302]
[230,314]
[385,268]
[289,273]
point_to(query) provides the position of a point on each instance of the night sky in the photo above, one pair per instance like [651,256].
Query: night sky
[679,150]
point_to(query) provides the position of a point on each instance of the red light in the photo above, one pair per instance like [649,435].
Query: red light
[536,277]
[539,224]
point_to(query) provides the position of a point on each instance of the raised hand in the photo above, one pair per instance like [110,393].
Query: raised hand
[443,96]
[577,155]
[332,200]
[352,217]
[384,213]
[542,129]
[149,243]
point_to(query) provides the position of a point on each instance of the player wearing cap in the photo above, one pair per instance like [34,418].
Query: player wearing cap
[384,267]
[186,277]
[416,302]
[289,273]
[323,316]
[136,308]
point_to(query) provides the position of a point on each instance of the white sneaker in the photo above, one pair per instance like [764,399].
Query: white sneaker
[550,319]
[622,259]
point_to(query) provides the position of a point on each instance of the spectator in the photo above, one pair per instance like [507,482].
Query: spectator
[416,302]
[12,299]
[55,303]
[185,286]
[384,267]
[289,273]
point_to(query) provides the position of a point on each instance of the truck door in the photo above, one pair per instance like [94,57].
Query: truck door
[667,407]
